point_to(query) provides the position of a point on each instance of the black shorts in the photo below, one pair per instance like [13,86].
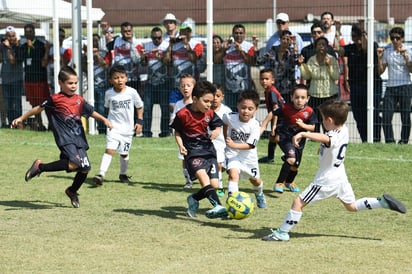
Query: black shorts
[291,151]
[208,163]
[76,155]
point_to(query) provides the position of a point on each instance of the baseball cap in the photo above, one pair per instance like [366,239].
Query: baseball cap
[282,17]
[10,29]
[185,26]
[170,17]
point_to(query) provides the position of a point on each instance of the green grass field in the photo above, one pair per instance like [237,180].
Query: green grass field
[142,227]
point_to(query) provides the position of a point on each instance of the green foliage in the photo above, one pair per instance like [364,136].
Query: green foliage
[142,227]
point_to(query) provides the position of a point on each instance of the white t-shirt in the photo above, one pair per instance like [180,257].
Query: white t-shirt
[121,107]
[241,132]
[219,142]
[178,106]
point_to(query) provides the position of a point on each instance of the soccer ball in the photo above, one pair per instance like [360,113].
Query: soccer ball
[239,205]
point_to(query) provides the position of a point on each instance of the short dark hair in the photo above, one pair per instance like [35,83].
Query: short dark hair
[219,86]
[356,30]
[285,32]
[336,109]
[397,30]
[326,13]
[317,24]
[250,95]
[117,69]
[156,29]
[265,70]
[65,72]
[237,26]
[299,86]
[321,39]
[126,24]
[218,37]
[29,26]
[202,88]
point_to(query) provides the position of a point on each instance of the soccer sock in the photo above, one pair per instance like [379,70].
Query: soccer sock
[187,176]
[211,195]
[258,189]
[78,181]
[232,187]
[59,165]
[291,176]
[284,172]
[124,164]
[104,165]
[271,150]
[368,203]
[220,179]
[291,220]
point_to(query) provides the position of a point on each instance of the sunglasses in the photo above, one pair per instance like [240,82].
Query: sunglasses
[396,38]
[109,31]
[156,37]
[279,22]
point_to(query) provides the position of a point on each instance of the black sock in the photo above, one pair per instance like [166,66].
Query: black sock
[291,176]
[211,195]
[199,195]
[284,172]
[78,181]
[59,165]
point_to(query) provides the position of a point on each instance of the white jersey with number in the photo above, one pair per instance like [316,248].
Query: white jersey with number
[121,107]
[331,167]
[246,133]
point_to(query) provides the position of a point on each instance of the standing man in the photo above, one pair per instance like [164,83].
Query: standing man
[11,75]
[237,55]
[282,23]
[156,89]
[126,52]
[182,54]
[397,59]
[356,67]
[35,56]
[170,22]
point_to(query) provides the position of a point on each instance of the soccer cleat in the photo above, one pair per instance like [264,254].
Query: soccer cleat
[124,178]
[278,187]
[193,206]
[292,187]
[98,179]
[266,160]
[218,211]
[277,235]
[33,171]
[220,192]
[392,203]
[260,200]
[188,185]
[74,197]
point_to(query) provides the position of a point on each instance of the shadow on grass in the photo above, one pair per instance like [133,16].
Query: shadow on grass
[17,205]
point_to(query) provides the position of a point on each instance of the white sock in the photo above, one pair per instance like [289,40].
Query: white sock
[104,165]
[291,220]
[187,176]
[232,187]
[258,189]
[220,179]
[367,203]
[124,164]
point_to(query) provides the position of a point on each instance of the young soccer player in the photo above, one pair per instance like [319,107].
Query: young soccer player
[273,100]
[242,134]
[296,116]
[64,110]
[186,85]
[196,125]
[126,114]
[219,143]
[331,179]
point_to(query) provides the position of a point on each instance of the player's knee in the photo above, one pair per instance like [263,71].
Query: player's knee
[291,161]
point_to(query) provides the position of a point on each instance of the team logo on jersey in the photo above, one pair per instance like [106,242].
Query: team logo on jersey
[306,114]
[207,119]
[78,101]
[239,136]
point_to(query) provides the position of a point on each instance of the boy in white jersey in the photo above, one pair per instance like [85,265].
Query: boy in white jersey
[123,103]
[331,179]
[242,133]
[219,143]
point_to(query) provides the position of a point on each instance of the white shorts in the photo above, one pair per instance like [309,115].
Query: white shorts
[246,170]
[342,191]
[120,143]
